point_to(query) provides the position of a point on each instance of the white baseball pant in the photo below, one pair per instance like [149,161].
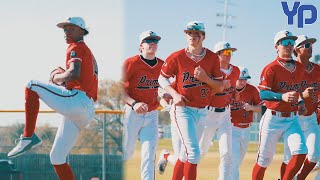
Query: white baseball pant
[272,127]
[240,140]
[145,128]
[219,123]
[311,133]
[76,108]
[189,123]
[176,142]
[317,168]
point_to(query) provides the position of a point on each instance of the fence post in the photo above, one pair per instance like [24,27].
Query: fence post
[104,146]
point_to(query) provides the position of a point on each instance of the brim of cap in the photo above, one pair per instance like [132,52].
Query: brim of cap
[194,30]
[288,37]
[153,37]
[247,77]
[63,24]
[232,49]
[310,40]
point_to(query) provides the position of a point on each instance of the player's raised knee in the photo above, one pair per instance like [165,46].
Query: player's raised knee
[30,83]
[57,158]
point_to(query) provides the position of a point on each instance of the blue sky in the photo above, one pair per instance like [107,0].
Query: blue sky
[256,24]
[32,45]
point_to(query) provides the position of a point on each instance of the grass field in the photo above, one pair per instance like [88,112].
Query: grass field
[208,168]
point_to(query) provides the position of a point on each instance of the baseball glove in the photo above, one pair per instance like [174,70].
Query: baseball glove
[56,71]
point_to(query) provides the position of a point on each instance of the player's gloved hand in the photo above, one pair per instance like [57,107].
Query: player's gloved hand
[291,96]
[200,74]
[58,70]
[307,92]
[247,107]
[140,108]
[179,100]
[302,110]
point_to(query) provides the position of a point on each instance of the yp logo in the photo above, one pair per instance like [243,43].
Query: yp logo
[300,10]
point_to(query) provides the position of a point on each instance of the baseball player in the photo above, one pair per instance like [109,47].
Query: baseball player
[280,86]
[218,119]
[140,78]
[191,66]
[308,122]
[165,156]
[317,167]
[74,101]
[241,118]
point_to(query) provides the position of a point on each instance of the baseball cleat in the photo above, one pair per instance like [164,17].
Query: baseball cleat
[162,162]
[25,144]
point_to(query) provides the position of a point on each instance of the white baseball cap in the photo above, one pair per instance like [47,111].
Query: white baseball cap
[223,45]
[244,73]
[148,35]
[77,21]
[195,26]
[284,34]
[303,39]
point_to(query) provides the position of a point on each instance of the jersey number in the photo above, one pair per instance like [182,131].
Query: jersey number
[204,92]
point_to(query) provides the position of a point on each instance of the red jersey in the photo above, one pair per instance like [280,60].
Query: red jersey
[141,80]
[312,80]
[276,78]
[88,81]
[180,65]
[249,94]
[223,98]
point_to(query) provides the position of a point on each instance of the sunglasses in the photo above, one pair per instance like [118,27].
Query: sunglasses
[150,41]
[286,42]
[227,52]
[306,46]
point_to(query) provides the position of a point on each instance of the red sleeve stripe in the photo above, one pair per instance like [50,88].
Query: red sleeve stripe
[218,78]
[164,74]
[264,87]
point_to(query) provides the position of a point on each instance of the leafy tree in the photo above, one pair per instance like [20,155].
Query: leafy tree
[110,97]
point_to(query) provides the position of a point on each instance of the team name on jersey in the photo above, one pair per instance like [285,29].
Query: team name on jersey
[190,81]
[145,83]
[294,87]
[237,105]
[226,91]
[304,84]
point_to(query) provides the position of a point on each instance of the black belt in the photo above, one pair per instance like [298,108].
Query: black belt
[218,109]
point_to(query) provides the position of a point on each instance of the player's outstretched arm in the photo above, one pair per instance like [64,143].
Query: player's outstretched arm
[138,107]
[254,108]
[73,73]
[270,96]
[178,99]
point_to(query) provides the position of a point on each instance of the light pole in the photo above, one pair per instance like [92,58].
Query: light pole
[225,25]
